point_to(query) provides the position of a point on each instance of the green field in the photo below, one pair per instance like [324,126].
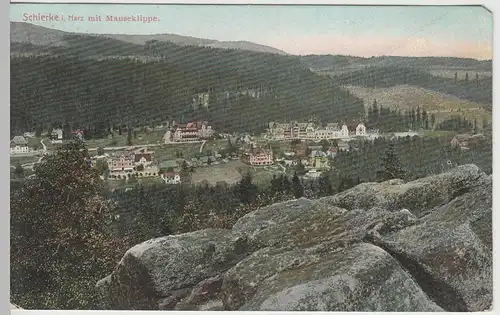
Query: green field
[23,159]
[187,150]
[225,172]
[116,184]
[121,140]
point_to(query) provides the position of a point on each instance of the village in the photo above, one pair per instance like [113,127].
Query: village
[195,153]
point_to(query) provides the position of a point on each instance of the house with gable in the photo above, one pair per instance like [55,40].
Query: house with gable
[77,134]
[171,178]
[143,157]
[257,156]
[360,130]
[190,132]
[56,136]
[122,163]
[19,145]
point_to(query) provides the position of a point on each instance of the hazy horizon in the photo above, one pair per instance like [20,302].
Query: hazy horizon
[362,31]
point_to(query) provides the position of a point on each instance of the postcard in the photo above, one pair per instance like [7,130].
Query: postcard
[251,157]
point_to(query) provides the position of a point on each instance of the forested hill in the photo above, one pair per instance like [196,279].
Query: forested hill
[340,62]
[235,89]
[473,87]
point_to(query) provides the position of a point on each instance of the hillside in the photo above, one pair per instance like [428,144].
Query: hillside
[244,90]
[41,36]
[21,32]
[473,88]
[338,63]
[390,247]
[406,97]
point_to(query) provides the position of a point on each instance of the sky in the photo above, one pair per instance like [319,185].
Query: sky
[457,31]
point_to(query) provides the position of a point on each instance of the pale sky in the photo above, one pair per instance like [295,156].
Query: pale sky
[460,31]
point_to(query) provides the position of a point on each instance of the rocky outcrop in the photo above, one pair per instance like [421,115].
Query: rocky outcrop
[418,196]
[424,245]
[163,269]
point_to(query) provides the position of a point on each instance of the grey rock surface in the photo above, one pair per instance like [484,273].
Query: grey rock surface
[424,245]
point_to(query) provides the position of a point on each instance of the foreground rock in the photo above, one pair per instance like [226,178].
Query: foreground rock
[450,251]
[358,278]
[418,196]
[164,267]
[425,245]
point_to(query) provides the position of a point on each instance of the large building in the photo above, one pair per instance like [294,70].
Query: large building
[311,131]
[190,132]
[19,145]
[122,163]
[257,156]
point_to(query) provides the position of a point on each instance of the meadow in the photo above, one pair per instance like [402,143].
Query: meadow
[405,97]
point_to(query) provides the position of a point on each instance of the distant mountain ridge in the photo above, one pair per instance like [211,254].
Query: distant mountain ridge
[26,33]
[21,32]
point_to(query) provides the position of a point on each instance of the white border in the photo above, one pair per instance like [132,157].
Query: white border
[491,5]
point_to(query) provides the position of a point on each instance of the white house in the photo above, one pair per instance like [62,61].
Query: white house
[171,178]
[144,159]
[167,138]
[19,145]
[344,131]
[360,130]
[313,174]
[56,136]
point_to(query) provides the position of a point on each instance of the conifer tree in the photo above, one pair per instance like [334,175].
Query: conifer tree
[325,186]
[247,190]
[433,120]
[297,188]
[391,167]
[129,136]
[19,170]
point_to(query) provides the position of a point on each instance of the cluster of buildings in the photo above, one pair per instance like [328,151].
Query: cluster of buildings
[128,161]
[57,135]
[190,132]
[137,163]
[312,131]
[313,157]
